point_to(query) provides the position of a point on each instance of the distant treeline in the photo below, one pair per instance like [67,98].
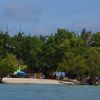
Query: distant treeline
[76,54]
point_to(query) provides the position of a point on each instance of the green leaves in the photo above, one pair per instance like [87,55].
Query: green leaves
[73,64]
[66,51]
[92,59]
[8,65]
[96,39]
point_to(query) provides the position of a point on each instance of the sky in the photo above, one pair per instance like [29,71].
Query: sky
[45,16]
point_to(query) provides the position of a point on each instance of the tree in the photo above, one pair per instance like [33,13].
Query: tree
[8,65]
[74,65]
[4,39]
[92,60]
[96,39]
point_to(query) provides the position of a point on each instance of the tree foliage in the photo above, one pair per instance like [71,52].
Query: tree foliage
[76,54]
[7,65]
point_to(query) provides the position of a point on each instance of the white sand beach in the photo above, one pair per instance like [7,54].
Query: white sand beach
[34,81]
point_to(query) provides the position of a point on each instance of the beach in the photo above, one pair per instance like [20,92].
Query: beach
[34,81]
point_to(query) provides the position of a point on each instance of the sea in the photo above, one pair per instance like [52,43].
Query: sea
[48,92]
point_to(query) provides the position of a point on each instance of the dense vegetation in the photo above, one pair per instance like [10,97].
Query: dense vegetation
[76,54]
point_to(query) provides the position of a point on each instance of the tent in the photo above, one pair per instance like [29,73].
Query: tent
[59,74]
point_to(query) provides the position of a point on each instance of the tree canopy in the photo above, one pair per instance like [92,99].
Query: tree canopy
[76,54]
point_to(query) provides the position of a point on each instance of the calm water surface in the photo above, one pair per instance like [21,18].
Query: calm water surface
[48,92]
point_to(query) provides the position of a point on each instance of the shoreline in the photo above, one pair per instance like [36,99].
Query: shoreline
[34,81]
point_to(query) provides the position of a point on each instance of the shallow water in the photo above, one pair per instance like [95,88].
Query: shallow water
[48,92]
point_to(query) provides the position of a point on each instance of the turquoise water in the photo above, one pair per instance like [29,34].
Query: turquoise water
[48,92]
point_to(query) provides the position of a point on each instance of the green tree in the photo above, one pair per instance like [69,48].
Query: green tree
[8,65]
[74,65]
[92,60]
[4,40]
[96,39]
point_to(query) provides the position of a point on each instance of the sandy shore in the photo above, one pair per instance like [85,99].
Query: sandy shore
[33,81]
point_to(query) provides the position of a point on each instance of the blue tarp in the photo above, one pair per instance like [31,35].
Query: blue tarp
[19,72]
[59,74]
